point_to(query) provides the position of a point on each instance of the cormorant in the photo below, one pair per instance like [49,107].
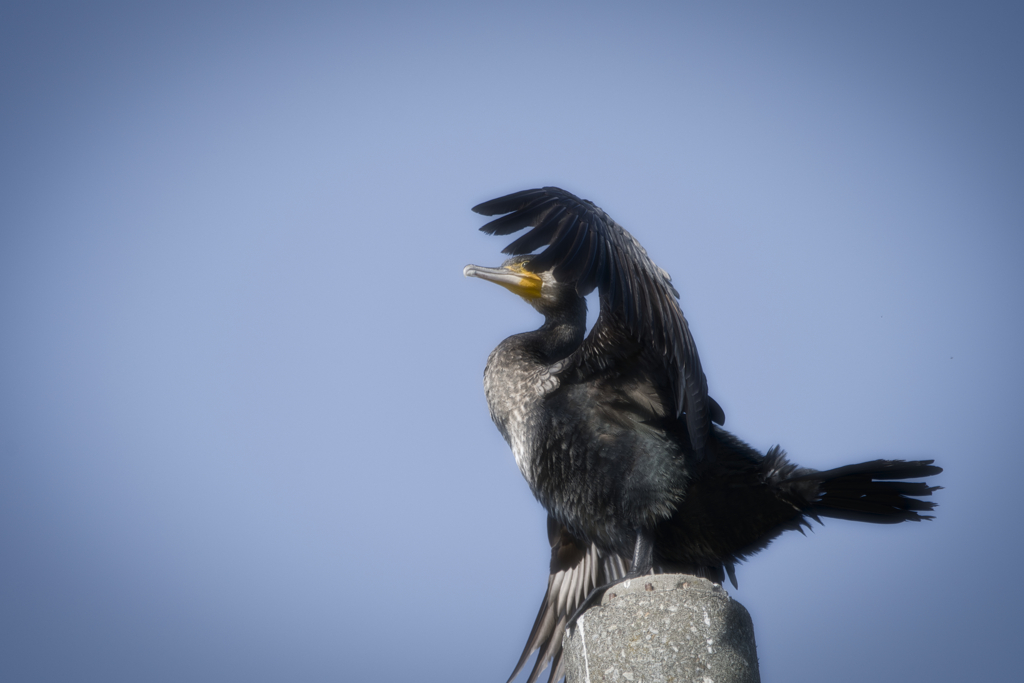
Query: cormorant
[614,434]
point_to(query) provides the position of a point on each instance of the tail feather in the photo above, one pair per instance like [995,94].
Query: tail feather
[874,491]
[879,469]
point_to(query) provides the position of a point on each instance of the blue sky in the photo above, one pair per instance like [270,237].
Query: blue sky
[242,426]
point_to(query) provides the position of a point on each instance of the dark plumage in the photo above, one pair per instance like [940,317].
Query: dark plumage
[614,432]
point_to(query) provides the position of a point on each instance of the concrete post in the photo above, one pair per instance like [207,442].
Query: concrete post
[660,629]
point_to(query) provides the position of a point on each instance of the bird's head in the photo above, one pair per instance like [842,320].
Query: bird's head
[540,290]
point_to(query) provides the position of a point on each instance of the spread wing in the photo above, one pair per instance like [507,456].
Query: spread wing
[640,319]
[576,569]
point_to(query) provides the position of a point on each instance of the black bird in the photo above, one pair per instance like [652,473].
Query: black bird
[614,434]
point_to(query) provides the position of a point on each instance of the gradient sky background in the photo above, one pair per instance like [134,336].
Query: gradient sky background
[243,434]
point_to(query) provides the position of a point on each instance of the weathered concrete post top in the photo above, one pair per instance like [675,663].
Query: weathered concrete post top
[664,628]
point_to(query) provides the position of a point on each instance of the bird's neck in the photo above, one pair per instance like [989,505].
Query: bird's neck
[561,333]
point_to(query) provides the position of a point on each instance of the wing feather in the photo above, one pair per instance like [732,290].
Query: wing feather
[639,305]
[576,569]
[506,225]
[510,202]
